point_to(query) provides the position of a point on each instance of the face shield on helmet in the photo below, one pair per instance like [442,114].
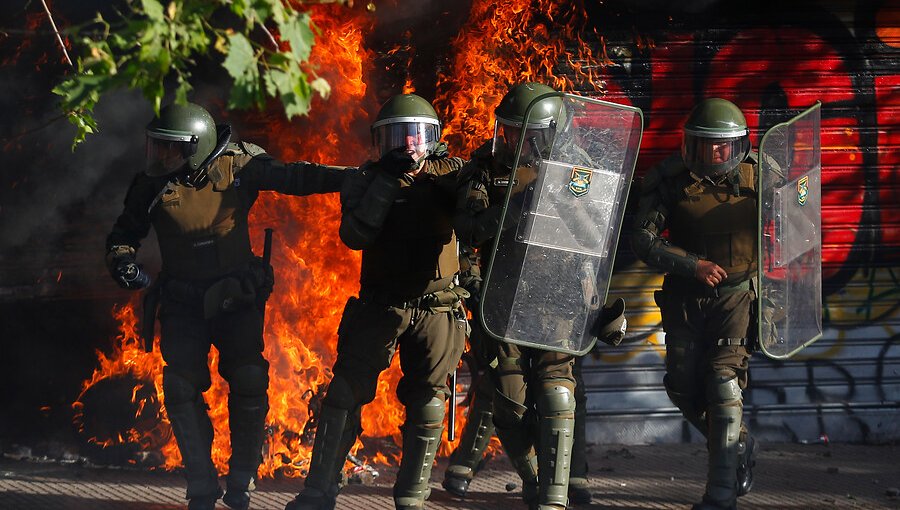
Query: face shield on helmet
[181,138]
[506,139]
[418,137]
[713,157]
[167,153]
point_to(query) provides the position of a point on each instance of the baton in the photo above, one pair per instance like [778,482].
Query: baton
[267,258]
[451,420]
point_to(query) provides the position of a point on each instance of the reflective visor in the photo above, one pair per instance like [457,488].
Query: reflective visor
[506,138]
[712,157]
[419,138]
[167,156]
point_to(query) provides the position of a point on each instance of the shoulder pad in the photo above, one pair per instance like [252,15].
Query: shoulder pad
[253,150]
[671,166]
[752,158]
[233,148]
[665,169]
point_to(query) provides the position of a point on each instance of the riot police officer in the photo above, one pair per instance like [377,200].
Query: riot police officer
[532,385]
[706,197]
[196,192]
[398,211]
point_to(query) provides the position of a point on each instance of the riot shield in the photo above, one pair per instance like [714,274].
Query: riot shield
[553,254]
[790,243]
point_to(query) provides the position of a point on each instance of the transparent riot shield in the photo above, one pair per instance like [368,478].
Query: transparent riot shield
[790,244]
[552,257]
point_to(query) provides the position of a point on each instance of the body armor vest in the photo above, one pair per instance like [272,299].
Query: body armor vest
[203,233]
[710,220]
[415,253]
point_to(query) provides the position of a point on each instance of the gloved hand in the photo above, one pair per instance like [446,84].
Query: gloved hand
[397,162]
[611,325]
[132,276]
[120,260]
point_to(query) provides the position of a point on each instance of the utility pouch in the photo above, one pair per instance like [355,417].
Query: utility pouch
[227,295]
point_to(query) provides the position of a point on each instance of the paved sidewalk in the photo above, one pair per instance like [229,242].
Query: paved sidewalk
[788,476]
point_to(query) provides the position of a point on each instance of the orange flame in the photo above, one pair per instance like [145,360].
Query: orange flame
[502,44]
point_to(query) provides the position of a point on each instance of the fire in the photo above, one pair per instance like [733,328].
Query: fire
[315,273]
[510,44]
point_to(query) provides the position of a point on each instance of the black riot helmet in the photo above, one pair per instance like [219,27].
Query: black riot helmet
[716,138]
[181,138]
[539,129]
[407,121]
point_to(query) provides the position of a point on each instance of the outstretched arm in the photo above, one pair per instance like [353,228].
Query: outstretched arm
[265,173]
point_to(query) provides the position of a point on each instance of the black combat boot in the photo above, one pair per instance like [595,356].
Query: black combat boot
[247,421]
[468,457]
[747,448]
[724,413]
[204,502]
[708,504]
[328,457]
[194,434]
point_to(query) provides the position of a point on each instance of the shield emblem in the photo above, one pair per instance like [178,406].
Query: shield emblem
[580,181]
[802,190]
[550,265]
[790,244]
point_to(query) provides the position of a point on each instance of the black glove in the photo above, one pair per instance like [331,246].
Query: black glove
[397,162]
[120,262]
[610,326]
[131,276]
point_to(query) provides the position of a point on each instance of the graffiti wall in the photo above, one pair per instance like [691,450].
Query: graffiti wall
[773,65]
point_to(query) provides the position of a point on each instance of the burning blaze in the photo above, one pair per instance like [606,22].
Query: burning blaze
[506,43]
[516,42]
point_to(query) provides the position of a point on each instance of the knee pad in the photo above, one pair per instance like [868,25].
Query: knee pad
[556,400]
[683,395]
[340,394]
[429,415]
[723,389]
[507,413]
[249,380]
[178,389]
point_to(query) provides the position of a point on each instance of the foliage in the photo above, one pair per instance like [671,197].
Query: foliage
[152,44]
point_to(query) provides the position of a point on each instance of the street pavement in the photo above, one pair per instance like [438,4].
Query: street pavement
[788,476]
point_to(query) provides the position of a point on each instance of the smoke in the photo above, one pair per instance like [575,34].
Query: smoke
[52,182]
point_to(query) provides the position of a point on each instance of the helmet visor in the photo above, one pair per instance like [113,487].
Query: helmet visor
[418,138]
[713,157]
[166,156]
[506,138]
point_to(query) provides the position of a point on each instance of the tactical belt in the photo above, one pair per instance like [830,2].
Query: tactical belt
[697,289]
[444,300]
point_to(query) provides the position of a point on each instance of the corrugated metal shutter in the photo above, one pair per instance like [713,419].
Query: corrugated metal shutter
[848,384]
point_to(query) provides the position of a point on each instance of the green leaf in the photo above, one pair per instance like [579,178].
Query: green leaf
[241,64]
[241,60]
[321,87]
[153,10]
[299,35]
